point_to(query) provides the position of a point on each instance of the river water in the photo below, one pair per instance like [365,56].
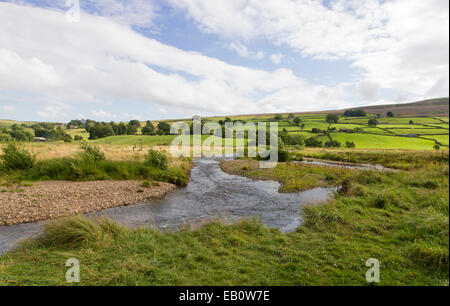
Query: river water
[210,194]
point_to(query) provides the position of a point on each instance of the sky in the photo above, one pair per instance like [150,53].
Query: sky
[151,59]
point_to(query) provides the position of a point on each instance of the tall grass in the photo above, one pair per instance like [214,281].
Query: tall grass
[396,160]
[90,164]
[87,170]
[16,157]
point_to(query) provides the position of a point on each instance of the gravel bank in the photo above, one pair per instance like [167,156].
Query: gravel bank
[53,199]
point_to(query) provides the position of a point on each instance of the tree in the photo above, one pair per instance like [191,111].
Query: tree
[390,114]
[355,113]
[297,120]
[148,129]
[278,117]
[100,130]
[373,122]
[333,144]
[411,122]
[135,123]
[290,116]
[122,129]
[131,129]
[302,126]
[313,142]
[292,140]
[332,118]
[436,146]
[163,128]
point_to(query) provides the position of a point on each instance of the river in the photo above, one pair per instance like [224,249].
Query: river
[210,194]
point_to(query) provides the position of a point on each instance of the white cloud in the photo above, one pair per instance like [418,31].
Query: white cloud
[277,58]
[98,60]
[7,110]
[133,12]
[400,44]
[243,51]
[132,116]
[56,113]
[368,91]
[102,115]
[141,13]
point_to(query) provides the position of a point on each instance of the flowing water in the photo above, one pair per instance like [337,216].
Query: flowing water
[210,194]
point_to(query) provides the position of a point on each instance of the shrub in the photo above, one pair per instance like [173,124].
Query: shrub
[372,122]
[283,156]
[157,159]
[5,137]
[350,144]
[91,152]
[15,157]
[67,138]
[78,138]
[146,184]
[333,144]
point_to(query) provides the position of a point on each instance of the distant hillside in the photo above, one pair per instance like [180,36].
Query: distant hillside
[429,108]
[433,107]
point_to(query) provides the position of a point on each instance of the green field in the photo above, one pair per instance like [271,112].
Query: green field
[368,141]
[136,140]
[383,136]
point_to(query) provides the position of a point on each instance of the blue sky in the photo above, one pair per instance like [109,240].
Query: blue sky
[151,59]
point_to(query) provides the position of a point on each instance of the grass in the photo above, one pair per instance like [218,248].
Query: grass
[81,167]
[164,140]
[72,169]
[405,160]
[369,141]
[293,177]
[444,139]
[401,218]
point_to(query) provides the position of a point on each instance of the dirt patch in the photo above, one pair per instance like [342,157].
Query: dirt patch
[54,199]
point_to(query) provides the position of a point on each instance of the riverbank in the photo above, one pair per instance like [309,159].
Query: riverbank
[54,199]
[293,177]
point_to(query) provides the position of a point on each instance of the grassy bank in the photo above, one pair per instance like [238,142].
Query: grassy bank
[392,159]
[18,164]
[400,218]
[293,177]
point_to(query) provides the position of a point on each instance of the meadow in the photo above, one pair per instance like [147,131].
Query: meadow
[390,133]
